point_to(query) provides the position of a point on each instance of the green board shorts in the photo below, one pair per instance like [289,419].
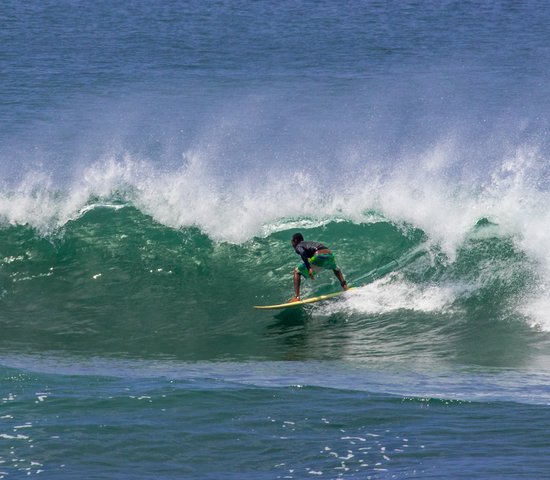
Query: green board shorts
[318,262]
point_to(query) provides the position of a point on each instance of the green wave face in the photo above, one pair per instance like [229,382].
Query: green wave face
[115,282]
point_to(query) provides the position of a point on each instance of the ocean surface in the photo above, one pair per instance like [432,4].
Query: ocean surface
[156,158]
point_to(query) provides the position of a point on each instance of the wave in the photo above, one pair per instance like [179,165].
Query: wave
[135,258]
[114,281]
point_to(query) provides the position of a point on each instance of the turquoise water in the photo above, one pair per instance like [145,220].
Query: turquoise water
[157,158]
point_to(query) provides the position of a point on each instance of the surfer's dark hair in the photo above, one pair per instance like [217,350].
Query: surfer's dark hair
[297,238]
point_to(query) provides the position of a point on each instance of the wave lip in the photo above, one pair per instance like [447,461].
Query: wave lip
[234,205]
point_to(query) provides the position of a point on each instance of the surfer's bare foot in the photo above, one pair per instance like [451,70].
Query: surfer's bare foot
[345,286]
[294,299]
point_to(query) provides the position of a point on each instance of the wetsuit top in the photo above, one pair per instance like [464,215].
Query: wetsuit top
[306,250]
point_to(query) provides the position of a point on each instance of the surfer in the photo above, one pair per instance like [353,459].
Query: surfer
[315,257]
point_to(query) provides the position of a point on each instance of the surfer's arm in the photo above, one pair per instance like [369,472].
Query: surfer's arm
[303,254]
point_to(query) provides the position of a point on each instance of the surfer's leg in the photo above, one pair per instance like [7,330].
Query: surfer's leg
[297,281]
[341,279]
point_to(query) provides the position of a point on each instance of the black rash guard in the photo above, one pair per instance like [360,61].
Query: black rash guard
[306,250]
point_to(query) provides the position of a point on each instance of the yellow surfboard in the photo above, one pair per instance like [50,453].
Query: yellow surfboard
[307,301]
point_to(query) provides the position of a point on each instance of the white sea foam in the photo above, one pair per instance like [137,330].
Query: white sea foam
[198,192]
[393,293]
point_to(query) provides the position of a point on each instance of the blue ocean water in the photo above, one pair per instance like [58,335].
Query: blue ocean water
[155,159]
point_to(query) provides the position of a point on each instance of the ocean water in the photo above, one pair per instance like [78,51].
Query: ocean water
[156,158]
